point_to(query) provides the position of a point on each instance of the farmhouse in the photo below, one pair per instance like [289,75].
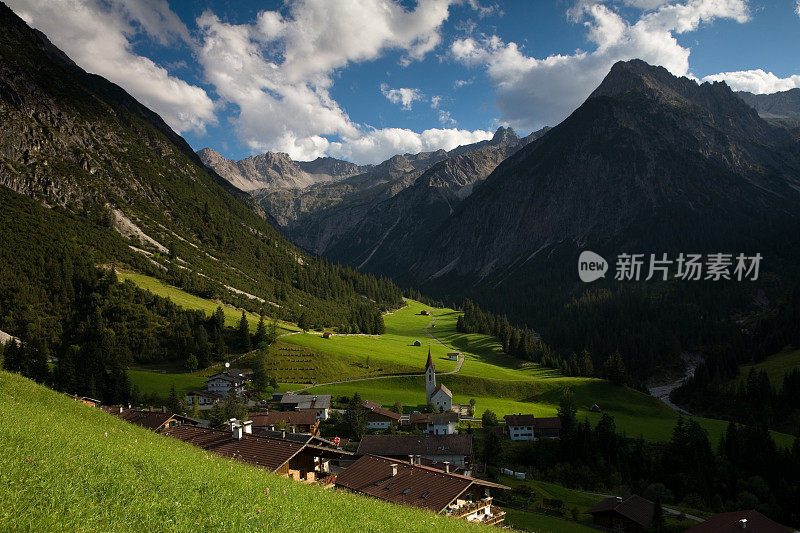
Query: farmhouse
[455,449]
[295,421]
[306,402]
[438,396]
[301,462]
[453,356]
[736,521]
[633,513]
[203,397]
[378,417]
[424,487]
[528,427]
[434,423]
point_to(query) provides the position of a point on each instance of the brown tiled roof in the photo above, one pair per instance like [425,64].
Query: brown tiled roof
[147,419]
[547,423]
[634,508]
[519,420]
[369,404]
[433,418]
[372,475]
[260,451]
[439,465]
[375,408]
[729,522]
[404,445]
[292,418]
[442,388]
[307,401]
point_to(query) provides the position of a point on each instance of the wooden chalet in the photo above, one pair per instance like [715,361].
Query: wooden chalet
[378,417]
[738,521]
[295,421]
[156,421]
[424,487]
[295,460]
[630,514]
[455,449]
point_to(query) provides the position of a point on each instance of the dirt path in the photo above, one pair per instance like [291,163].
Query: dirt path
[415,374]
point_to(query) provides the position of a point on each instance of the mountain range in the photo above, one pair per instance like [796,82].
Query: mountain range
[81,155]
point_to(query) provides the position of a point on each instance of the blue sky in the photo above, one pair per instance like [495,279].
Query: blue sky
[365,79]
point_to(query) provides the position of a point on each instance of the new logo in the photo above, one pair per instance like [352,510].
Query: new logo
[591,266]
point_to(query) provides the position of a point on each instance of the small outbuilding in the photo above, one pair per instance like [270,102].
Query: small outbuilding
[417,343]
[595,408]
[327,335]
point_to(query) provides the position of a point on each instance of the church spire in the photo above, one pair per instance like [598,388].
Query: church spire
[429,364]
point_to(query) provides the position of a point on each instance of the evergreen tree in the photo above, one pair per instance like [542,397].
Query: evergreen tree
[272,332]
[261,379]
[356,417]
[614,369]
[175,404]
[492,448]
[567,413]
[216,417]
[489,419]
[234,407]
[658,523]
[191,363]
[260,338]
[244,333]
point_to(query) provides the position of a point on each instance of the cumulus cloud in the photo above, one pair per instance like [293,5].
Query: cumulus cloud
[97,36]
[405,97]
[755,81]
[797,8]
[533,92]
[279,69]
[380,144]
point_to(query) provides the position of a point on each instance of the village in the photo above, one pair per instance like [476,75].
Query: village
[420,459]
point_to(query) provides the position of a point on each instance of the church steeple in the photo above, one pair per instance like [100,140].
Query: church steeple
[430,377]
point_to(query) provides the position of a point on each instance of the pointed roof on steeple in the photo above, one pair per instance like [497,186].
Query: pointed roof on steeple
[429,364]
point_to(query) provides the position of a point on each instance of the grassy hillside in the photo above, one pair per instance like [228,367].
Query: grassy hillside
[67,467]
[776,366]
[496,381]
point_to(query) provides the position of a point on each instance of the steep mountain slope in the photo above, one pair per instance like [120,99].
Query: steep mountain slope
[648,162]
[82,146]
[388,236]
[782,107]
[277,170]
[347,220]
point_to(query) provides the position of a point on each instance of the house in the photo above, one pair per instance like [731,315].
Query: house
[455,449]
[85,400]
[633,513]
[231,379]
[736,521]
[203,397]
[424,487]
[378,417]
[438,396]
[295,421]
[156,421]
[528,427]
[453,356]
[320,403]
[434,423]
[417,343]
[298,461]
[424,313]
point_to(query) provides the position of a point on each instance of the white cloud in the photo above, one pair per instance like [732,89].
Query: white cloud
[279,71]
[404,96]
[96,35]
[755,81]
[797,8]
[462,83]
[532,92]
[380,144]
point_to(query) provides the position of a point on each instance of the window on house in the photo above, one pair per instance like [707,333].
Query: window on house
[407,490]
[426,494]
[389,486]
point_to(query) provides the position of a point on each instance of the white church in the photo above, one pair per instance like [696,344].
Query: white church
[438,396]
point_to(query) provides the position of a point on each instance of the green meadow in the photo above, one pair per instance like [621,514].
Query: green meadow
[496,381]
[190,301]
[776,366]
[69,467]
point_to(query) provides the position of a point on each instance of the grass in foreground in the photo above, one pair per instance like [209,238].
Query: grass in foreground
[68,467]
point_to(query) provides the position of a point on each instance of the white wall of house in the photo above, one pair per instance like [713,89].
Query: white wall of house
[381,424]
[441,429]
[442,401]
[521,433]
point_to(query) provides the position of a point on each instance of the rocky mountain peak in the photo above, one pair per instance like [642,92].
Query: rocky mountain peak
[505,136]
